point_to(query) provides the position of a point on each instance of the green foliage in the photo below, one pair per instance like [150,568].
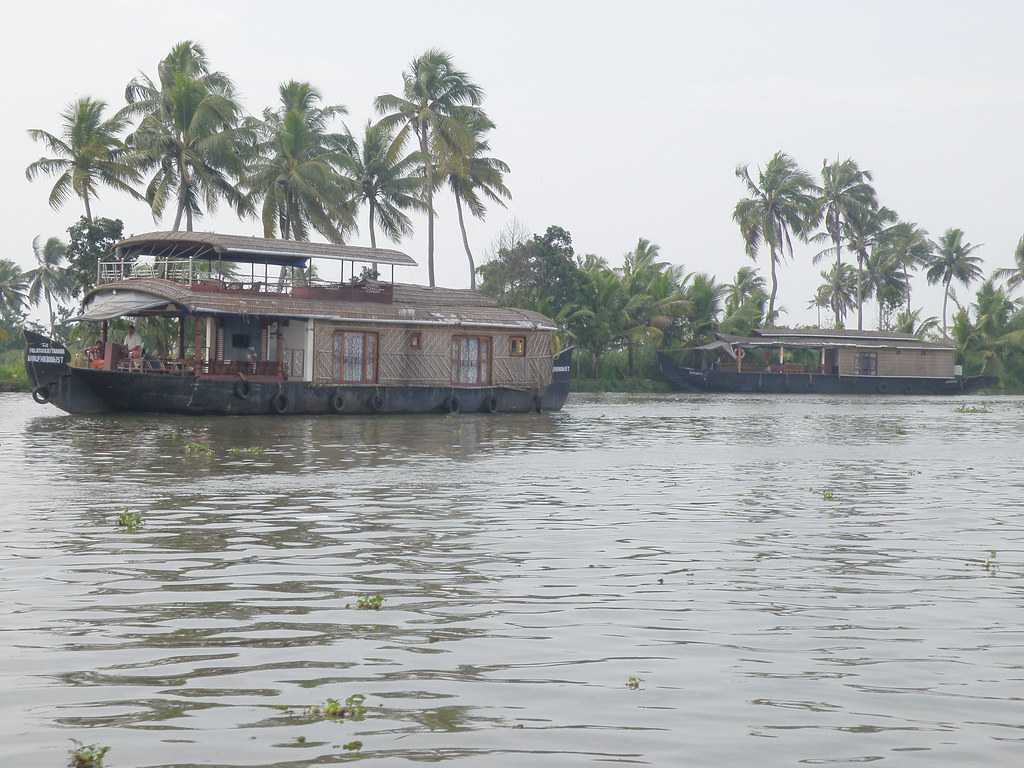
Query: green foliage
[972,409]
[13,376]
[633,682]
[332,709]
[199,450]
[828,495]
[89,243]
[370,602]
[130,521]
[352,746]
[253,450]
[87,755]
[952,260]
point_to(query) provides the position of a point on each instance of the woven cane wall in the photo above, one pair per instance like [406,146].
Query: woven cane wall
[430,364]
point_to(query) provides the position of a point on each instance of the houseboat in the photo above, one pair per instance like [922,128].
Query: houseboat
[257,332]
[782,360]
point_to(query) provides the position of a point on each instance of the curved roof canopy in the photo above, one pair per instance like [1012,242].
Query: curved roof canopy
[285,253]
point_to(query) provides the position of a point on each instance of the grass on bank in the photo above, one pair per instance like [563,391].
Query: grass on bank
[13,376]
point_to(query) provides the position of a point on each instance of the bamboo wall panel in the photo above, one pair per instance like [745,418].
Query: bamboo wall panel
[904,362]
[430,364]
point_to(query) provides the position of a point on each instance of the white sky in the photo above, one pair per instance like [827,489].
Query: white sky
[619,120]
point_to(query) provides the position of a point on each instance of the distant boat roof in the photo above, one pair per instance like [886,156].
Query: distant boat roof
[287,253]
[830,337]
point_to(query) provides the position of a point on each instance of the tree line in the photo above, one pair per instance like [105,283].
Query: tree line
[183,145]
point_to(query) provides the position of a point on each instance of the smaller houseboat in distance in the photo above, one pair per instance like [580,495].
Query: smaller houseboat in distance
[257,333]
[783,360]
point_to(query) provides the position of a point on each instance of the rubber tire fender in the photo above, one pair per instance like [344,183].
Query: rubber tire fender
[452,404]
[41,394]
[538,403]
[491,404]
[242,389]
[377,403]
[337,402]
[279,402]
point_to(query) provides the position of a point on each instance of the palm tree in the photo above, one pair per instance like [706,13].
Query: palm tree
[88,154]
[13,287]
[188,135]
[1014,276]
[49,279]
[952,260]
[778,208]
[839,290]
[388,181]
[473,177]
[295,165]
[845,190]
[909,246]
[703,305]
[865,227]
[910,321]
[436,103]
[885,279]
[653,296]
[747,284]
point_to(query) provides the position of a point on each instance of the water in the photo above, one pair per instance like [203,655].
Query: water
[529,566]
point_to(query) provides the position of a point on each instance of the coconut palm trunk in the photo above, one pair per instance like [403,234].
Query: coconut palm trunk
[429,168]
[373,236]
[465,242]
[839,261]
[945,303]
[860,294]
[770,320]
[88,208]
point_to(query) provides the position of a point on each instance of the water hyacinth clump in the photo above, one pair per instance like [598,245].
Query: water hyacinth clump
[972,409]
[828,495]
[332,709]
[633,682]
[87,755]
[198,450]
[253,450]
[370,602]
[130,521]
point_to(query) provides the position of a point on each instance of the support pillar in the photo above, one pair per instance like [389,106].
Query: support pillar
[307,357]
[197,343]
[181,337]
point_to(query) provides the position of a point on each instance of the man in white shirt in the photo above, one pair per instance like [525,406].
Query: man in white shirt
[133,342]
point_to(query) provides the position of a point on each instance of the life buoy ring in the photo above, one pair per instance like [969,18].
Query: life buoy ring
[337,402]
[279,402]
[452,404]
[41,394]
[491,404]
[377,403]
[242,389]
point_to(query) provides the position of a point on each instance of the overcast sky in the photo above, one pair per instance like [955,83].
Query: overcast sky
[619,120]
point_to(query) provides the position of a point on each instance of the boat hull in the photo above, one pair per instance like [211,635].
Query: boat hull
[711,380]
[82,390]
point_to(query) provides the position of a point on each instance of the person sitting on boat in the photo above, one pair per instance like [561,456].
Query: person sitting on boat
[133,342]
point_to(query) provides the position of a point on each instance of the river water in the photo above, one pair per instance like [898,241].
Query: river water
[529,566]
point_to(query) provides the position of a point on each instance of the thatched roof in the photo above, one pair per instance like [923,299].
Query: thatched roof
[211,245]
[411,305]
[817,338]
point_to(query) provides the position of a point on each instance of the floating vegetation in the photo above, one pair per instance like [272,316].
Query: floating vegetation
[990,563]
[828,495]
[633,682]
[973,409]
[87,755]
[332,709]
[370,602]
[254,450]
[300,739]
[130,521]
[198,450]
[899,430]
[353,746]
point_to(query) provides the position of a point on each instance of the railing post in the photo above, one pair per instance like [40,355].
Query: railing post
[190,270]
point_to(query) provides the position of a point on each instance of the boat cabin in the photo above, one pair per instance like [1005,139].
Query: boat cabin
[274,310]
[830,353]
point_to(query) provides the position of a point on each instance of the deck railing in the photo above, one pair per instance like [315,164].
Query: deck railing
[200,278]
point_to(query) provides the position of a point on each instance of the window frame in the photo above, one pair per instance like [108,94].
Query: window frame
[456,360]
[871,370]
[512,346]
[415,340]
[365,356]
